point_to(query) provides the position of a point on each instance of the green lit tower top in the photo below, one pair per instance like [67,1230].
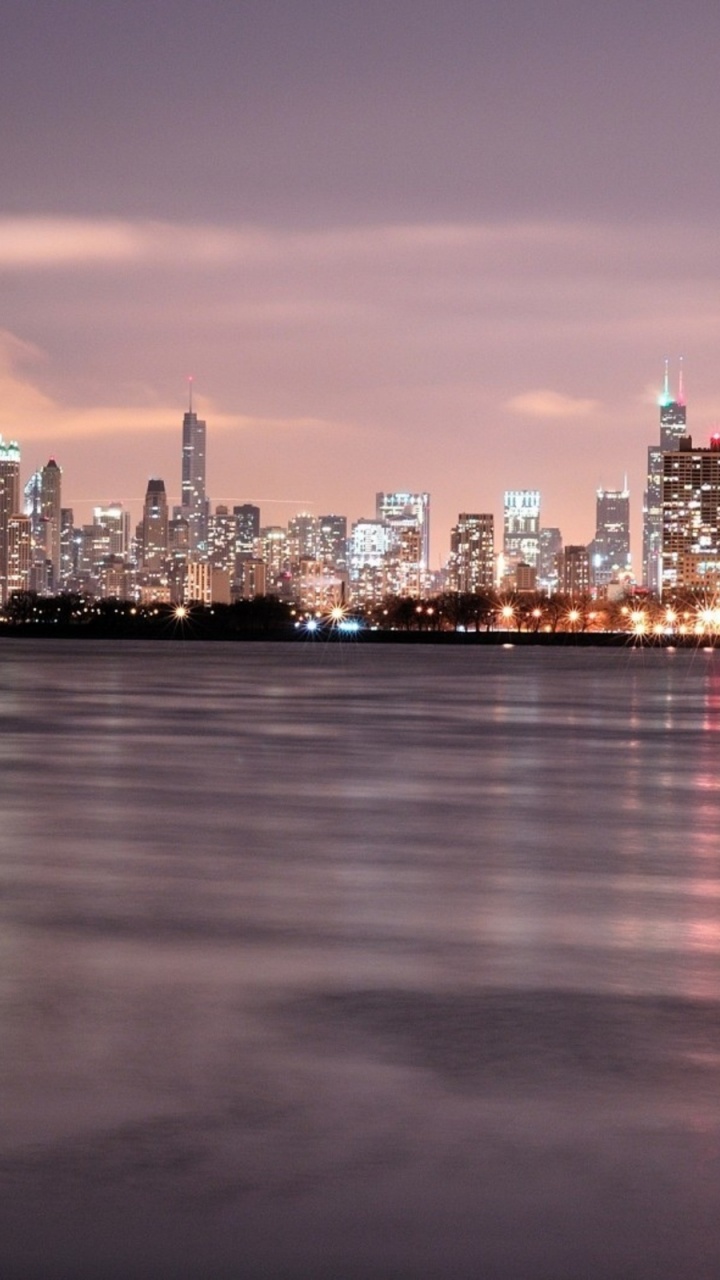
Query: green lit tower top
[672,413]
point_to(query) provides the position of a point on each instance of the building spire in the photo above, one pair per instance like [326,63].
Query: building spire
[681,393]
[666,383]
[190,391]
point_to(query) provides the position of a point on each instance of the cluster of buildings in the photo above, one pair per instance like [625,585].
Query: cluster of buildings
[191,553]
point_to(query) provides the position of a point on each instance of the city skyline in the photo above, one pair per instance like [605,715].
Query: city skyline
[460,241]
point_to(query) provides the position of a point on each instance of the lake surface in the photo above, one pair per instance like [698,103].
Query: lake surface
[339,961]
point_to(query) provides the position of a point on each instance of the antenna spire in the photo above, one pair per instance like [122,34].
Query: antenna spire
[666,382]
[681,394]
[190,391]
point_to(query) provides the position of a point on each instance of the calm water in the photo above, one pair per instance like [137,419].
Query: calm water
[348,962]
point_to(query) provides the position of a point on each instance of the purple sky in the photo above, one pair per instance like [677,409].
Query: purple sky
[400,245]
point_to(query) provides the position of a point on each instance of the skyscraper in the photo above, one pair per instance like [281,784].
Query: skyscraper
[193,497]
[155,527]
[50,507]
[672,429]
[691,516]
[9,504]
[472,553]
[610,548]
[407,516]
[521,527]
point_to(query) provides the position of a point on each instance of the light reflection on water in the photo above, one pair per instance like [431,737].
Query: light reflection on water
[323,960]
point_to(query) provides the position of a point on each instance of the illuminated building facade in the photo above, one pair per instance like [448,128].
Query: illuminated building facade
[193,497]
[521,527]
[332,547]
[19,542]
[575,577]
[610,548]
[9,504]
[673,417]
[407,560]
[369,546]
[472,553]
[155,527]
[550,545]
[691,516]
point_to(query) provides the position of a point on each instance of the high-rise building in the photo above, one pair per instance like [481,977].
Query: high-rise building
[9,504]
[19,539]
[407,511]
[407,516]
[610,548]
[114,521]
[550,545]
[521,527]
[672,430]
[222,539]
[691,516]
[302,538]
[575,577]
[68,546]
[247,524]
[50,505]
[155,527]
[369,548]
[193,498]
[472,553]
[333,541]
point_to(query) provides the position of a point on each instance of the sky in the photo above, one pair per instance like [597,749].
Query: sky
[441,246]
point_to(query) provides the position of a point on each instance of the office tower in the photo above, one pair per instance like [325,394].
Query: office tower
[193,498]
[472,553]
[198,582]
[691,516]
[575,577]
[369,548]
[302,538]
[67,544]
[114,524]
[50,507]
[9,503]
[155,527]
[247,523]
[610,548]
[19,542]
[273,545]
[333,541]
[521,527]
[408,512]
[222,540]
[407,517]
[672,430]
[550,545]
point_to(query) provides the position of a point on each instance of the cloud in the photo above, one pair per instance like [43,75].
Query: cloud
[29,414]
[544,403]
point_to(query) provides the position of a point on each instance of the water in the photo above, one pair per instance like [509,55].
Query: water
[338,961]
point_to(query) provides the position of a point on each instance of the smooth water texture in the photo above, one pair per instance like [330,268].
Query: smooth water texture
[339,961]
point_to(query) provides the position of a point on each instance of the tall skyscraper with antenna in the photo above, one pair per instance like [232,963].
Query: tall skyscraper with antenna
[672,429]
[193,497]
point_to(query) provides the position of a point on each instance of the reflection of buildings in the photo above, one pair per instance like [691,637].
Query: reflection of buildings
[691,515]
[672,429]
